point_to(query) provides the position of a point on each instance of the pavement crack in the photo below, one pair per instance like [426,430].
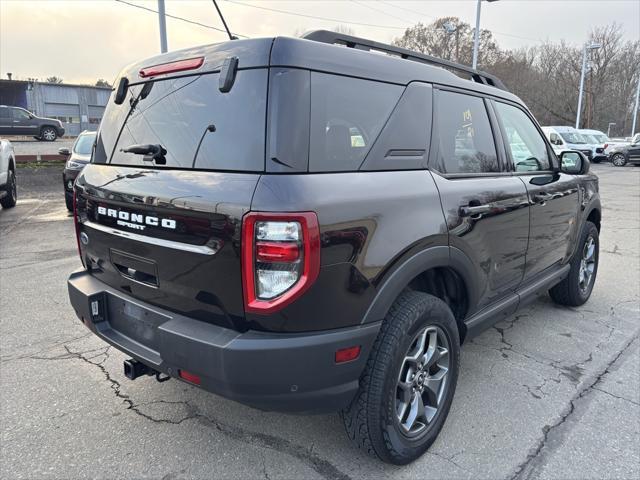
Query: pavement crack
[616,396]
[262,440]
[527,468]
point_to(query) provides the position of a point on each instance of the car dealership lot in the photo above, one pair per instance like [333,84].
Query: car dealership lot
[551,392]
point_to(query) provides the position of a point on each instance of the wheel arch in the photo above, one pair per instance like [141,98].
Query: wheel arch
[448,265]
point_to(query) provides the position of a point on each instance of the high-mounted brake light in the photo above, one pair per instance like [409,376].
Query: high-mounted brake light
[280,258]
[172,67]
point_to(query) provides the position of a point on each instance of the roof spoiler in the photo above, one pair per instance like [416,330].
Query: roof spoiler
[335,38]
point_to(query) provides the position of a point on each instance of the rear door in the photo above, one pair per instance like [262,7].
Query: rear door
[23,123]
[167,230]
[6,121]
[554,196]
[486,208]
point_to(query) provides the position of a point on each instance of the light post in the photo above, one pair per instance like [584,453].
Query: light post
[635,110]
[587,48]
[163,27]
[609,128]
[476,36]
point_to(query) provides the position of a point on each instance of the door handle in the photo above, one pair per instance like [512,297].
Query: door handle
[475,210]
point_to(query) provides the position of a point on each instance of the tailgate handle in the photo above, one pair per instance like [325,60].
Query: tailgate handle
[137,275]
[135,268]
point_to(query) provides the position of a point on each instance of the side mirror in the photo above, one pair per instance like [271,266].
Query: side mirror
[64,151]
[573,163]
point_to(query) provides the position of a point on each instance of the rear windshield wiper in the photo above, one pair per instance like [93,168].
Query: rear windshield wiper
[152,153]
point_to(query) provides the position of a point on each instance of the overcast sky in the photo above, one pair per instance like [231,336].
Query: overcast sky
[83,40]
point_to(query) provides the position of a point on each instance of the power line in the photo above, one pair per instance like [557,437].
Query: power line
[296,14]
[175,17]
[363,4]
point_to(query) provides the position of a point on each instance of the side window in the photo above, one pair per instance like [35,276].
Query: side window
[5,113]
[347,115]
[555,139]
[465,138]
[527,146]
[20,114]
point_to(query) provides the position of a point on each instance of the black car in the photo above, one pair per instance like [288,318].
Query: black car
[18,121]
[79,156]
[305,227]
[623,154]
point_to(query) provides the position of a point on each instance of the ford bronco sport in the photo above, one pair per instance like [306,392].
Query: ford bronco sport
[303,225]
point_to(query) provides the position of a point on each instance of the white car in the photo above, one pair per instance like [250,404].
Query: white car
[599,141]
[568,138]
[8,190]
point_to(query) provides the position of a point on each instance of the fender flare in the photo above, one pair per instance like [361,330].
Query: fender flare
[411,267]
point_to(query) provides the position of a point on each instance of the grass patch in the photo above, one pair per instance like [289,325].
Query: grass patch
[37,165]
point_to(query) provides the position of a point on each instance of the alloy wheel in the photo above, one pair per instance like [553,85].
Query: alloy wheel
[587,264]
[422,381]
[48,134]
[618,160]
[13,189]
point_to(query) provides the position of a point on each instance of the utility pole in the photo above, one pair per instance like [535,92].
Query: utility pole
[635,109]
[162,21]
[592,46]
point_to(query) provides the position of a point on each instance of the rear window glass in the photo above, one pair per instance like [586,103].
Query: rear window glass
[179,115]
[465,135]
[347,114]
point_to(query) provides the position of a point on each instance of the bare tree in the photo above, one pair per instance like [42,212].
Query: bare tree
[102,83]
[54,80]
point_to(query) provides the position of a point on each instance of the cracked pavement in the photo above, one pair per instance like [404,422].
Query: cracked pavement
[549,393]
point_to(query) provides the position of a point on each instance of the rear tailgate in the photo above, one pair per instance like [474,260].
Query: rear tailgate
[167,237]
[164,228]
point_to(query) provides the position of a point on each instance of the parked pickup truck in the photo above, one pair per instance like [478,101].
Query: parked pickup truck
[304,227]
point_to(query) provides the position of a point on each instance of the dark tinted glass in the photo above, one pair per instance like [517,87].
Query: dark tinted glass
[465,136]
[176,114]
[5,112]
[527,146]
[347,115]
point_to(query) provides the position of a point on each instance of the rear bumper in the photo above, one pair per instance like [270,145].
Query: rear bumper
[280,372]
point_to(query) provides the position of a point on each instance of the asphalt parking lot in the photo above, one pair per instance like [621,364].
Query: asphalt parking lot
[550,393]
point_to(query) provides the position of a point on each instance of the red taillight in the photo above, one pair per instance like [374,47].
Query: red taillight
[280,258]
[277,252]
[76,224]
[347,354]
[172,67]
[189,377]
[606,145]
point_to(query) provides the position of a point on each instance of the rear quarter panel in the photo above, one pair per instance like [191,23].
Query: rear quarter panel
[368,221]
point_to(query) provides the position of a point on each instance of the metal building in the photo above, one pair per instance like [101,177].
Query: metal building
[78,107]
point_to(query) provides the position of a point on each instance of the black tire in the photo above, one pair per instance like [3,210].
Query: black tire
[371,419]
[573,291]
[618,160]
[11,198]
[48,134]
[595,160]
[68,202]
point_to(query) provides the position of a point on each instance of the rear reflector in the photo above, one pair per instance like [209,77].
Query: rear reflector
[189,377]
[172,67]
[347,354]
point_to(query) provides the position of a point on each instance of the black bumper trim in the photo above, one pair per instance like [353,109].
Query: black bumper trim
[269,371]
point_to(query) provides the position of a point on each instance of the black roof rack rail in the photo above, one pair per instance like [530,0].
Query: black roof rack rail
[335,38]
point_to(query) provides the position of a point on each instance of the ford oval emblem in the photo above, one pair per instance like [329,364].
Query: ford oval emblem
[84,238]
